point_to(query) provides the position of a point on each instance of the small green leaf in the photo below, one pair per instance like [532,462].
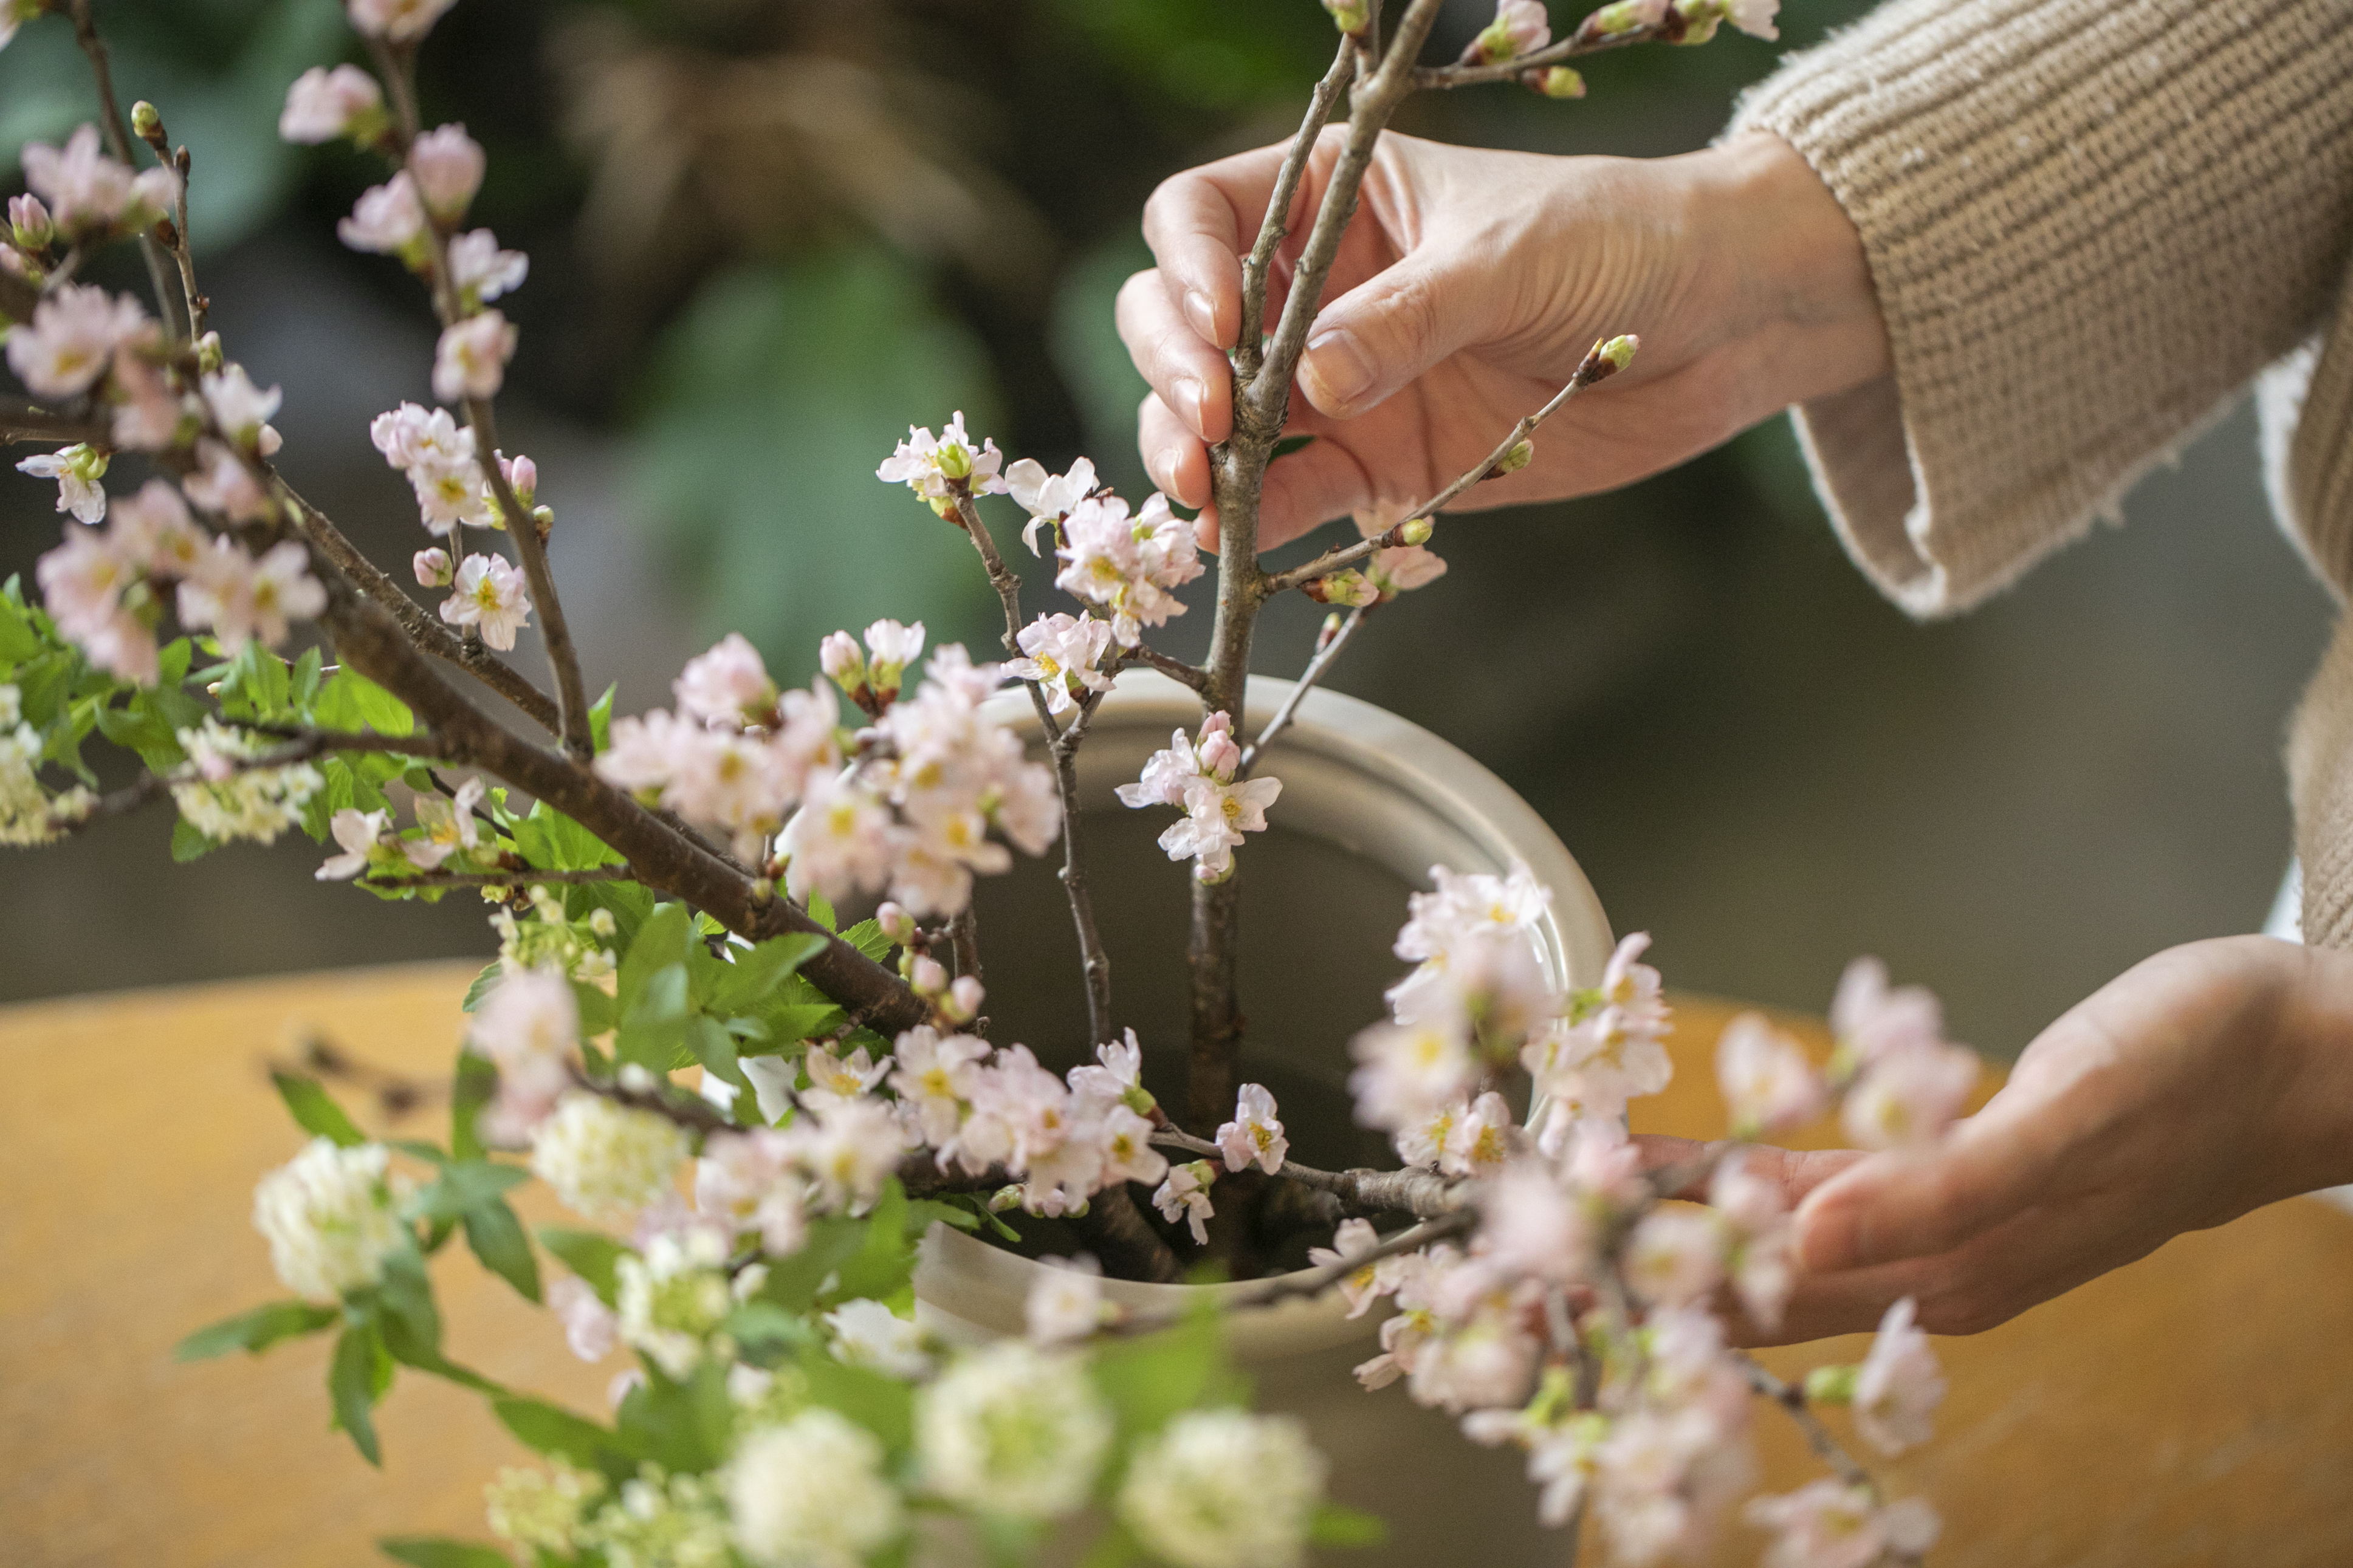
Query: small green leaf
[683,1427]
[867,937]
[466,1184]
[597,1015]
[470,1089]
[1345,1527]
[546,1429]
[352,701]
[497,1238]
[433,1551]
[485,983]
[765,1323]
[1151,1379]
[820,909]
[792,1283]
[257,1330]
[600,719]
[1290,444]
[714,1048]
[591,1254]
[356,1378]
[883,1405]
[660,943]
[922,1212]
[315,1110]
[188,843]
[412,1324]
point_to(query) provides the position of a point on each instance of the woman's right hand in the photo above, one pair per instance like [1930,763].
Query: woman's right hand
[1467,288]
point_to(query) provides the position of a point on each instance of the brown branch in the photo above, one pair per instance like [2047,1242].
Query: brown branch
[1575,46]
[554,631]
[1591,369]
[1299,690]
[18,296]
[1258,265]
[963,930]
[118,142]
[1168,664]
[501,878]
[1791,1398]
[1311,1282]
[1094,960]
[1423,1194]
[1117,1233]
[22,422]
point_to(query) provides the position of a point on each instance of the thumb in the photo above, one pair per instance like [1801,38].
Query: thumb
[1903,1204]
[1381,334]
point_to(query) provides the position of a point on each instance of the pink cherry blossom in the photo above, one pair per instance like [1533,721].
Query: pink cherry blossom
[1674,1257]
[1185,1195]
[1870,1018]
[433,568]
[1909,1097]
[241,598]
[1900,1385]
[398,21]
[1830,1524]
[72,336]
[357,833]
[491,596]
[149,415]
[387,220]
[77,470]
[1047,498]
[1255,1135]
[1127,566]
[749,1182]
[840,842]
[1536,1227]
[1769,1084]
[1754,17]
[934,1076]
[479,268]
[471,359]
[590,1328]
[241,411]
[152,532]
[1353,1238]
[931,466]
[1762,1261]
[848,1148]
[446,165]
[890,648]
[221,483]
[82,580]
[1061,655]
[729,685]
[1408,1073]
[324,104]
[88,192]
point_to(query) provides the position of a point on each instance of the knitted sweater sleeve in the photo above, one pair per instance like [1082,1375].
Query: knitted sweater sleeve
[2089,223]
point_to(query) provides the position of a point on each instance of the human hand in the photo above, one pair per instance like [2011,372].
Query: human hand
[2204,1083]
[1469,285]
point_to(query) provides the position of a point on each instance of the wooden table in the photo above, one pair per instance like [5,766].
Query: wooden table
[2196,1407]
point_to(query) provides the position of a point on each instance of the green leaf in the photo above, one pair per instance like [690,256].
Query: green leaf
[434,1552]
[597,1015]
[883,1405]
[867,937]
[356,1379]
[412,1324]
[554,842]
[922,1212]
[591,1254]
[1151,1379]
[884,1262]
[467,1184]
[485,983]
[653,1031]
[714,1048]
[792,1283]
[257,1330]
[470,1089]
[315,1110]
[820,909]
[546,1429]
[684,1427]
[189,844]
[306,679]
[1347,1527]
[19,640]
[600,719]
[352,701]
[759,970]
[764,1324]
[660,944]
[497,1238]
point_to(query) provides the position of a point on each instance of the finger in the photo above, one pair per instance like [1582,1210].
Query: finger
[1195,223]
[1794,1173]
[1309,488]
[1906,1205]
[1193,380]
[1172,455]
[1381,334]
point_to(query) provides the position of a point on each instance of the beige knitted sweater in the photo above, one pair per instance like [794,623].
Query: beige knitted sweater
[2091,224]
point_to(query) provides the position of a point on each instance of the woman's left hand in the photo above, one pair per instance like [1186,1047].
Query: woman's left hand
[2204,1083]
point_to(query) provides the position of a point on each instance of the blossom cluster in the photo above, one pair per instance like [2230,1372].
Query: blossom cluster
[1197,777]
[28,814]
[225,796]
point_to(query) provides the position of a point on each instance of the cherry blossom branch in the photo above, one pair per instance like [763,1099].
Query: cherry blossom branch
[1423,1194]
[1596,366]
[554,631]
[1791,1398]
[174,230]
[1257,267]
[1299,690]
[963,934]
[1307,1283]
[1587,39]
[517,879]
[18,296]
[29,424]
[1118,1234]
[427,633]
[117,141]
[1168,664]
[1094,961]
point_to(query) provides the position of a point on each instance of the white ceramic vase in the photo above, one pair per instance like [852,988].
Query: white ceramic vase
[1369,803]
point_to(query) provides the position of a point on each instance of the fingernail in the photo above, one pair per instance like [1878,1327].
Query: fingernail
[1186,397]
[1338,363]
[1202,314]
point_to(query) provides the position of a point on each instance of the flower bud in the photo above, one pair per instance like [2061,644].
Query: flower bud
[1521,454]
[434,568]
[210,357]
[1831,1384]
[1004,1198]
[1558,82]
[1619,350]
[844,663]
[1350,588]
[1328,631]
[147,124]
[522,477]
[601,923]
[28,222]
[1624,16]
[928,977]
[893,647]
[1218,753]
[1699,18]
[1418,532]
[1351,16]
[896,923]
[964,999]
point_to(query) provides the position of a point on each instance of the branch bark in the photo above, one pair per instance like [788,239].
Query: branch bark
[118,142]
[1423,1194]
[554,631]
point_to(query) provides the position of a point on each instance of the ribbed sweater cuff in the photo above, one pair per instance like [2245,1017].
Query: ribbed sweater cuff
[2089,222]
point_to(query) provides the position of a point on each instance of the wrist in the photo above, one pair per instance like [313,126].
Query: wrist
[2317,1034]
[1799,303]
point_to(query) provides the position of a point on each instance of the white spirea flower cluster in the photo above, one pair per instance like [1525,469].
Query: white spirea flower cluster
[672,1295]
[1013,1430]
[27,814]
[810,1493]
[1219,1487]
[330,1216]
[539,1509]
[658,1521]
[227,801]
[1197,777]
[606,1160]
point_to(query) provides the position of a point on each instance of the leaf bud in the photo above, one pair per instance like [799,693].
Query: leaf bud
[1624,16]
[1699,18]
[1416,532]
[1349,587]
[1521,454]
[210,357]
[1328,631]
[1004,1198]
[1558,82]
[1831,1384]
[1351,16]
[148,125]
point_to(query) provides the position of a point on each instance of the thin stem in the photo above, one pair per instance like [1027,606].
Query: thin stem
[555,631]
[26,424]
[1578,44]
[1593,368]
[1094,961]
[118,142]
[1258,265]
[965,932]
[516,879]
[1311,1282]
[1168,664]
[1423,1194]
[1306,683]
[1791,1398]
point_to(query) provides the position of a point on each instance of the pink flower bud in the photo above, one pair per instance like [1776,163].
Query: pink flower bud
[1220,755]
[522,477]
[446,165]
[28,221]
[896,923]
[928,977]
[471,360]
[844,663]
[402,21]
[434,568]
[324,105]
[964,998]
